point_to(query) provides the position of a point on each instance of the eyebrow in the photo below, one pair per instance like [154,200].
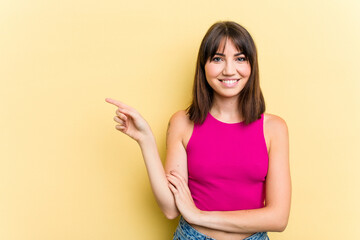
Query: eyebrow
[221,54]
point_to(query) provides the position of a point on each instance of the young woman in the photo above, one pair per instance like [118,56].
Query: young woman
[227,166]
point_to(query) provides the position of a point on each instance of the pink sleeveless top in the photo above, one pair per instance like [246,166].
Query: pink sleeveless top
[227,165]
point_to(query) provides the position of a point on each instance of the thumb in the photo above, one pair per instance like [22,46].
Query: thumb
[128,112]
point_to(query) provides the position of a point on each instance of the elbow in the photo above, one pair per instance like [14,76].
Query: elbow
[281,228]
[171,215]
[278,220]
[281,225]
[170,211]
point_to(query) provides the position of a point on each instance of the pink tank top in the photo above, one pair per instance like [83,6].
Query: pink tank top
[227,165]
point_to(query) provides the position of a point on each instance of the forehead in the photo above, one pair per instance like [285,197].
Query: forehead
[228,44]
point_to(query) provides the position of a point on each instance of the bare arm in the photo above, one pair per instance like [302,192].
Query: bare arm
[134,125]
[273,217]
[179,129]
[158,181]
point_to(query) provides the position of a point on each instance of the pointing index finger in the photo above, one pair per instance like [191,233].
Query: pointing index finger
[116,103]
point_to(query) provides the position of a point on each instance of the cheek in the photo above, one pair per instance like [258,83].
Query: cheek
[245,70]
[212,70]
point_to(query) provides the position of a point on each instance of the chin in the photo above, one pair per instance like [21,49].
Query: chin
[229,95]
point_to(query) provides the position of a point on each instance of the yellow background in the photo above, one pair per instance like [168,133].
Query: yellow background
[66,173]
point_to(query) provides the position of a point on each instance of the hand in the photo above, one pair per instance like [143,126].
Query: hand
[130,121]
[183,198]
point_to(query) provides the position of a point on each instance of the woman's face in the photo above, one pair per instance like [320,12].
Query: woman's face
[227,72]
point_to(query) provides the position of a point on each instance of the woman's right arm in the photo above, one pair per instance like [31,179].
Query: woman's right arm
[134,125]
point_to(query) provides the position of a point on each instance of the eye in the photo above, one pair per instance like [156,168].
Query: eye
[241,59]
[216,59]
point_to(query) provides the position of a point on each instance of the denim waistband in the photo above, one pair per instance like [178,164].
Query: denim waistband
[186,231]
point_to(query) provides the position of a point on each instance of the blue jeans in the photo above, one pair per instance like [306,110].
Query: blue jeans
[185,231]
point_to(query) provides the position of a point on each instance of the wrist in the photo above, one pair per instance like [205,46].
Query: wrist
[198,217]
[146,139]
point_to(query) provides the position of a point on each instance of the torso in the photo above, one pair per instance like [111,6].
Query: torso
[190,126]
[216,234]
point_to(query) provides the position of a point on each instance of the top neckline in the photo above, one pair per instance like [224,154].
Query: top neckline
[217,120]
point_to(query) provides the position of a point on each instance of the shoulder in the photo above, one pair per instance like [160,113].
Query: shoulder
[180,119]
[274,125]
[274,121]
[180,127]
[180,122]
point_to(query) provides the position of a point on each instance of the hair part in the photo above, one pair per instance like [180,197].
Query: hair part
[251,100]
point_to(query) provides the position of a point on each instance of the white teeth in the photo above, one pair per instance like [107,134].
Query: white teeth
[229,81]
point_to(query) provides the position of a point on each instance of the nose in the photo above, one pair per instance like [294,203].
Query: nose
[229,68]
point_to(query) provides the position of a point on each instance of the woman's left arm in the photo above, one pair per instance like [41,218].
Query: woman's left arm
[273,217]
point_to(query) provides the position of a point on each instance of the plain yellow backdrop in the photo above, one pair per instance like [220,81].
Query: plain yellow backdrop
[66,173]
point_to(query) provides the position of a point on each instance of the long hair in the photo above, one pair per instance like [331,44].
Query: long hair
[251,100]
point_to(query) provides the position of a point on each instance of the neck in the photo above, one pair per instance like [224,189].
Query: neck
[226,109]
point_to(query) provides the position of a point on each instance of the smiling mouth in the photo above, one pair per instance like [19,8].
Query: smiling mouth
[231,81]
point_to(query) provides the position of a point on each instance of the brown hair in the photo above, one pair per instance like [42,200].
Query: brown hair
[251,100]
